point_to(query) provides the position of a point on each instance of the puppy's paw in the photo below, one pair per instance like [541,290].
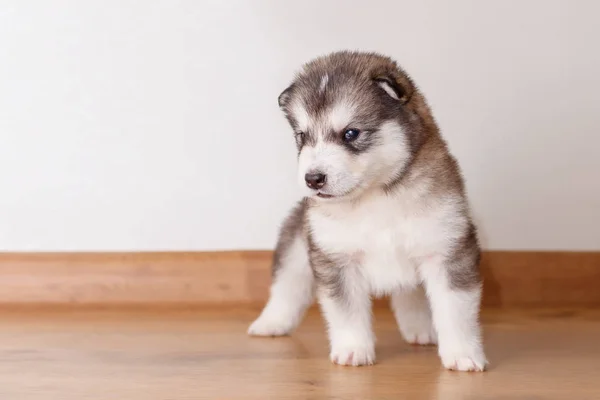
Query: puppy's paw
[267,325]
[471,362]
[426,337]
[353,355]
[417,328]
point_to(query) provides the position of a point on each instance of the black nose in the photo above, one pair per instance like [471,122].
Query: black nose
[315,181]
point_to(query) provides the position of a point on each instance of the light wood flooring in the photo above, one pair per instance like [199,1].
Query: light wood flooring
[205,354]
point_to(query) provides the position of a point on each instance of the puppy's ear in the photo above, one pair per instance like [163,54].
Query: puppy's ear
[284,98]
[396,86]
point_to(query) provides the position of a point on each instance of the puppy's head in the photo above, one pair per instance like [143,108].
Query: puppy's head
[353,123]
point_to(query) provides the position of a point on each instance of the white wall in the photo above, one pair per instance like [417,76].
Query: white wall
[153,125]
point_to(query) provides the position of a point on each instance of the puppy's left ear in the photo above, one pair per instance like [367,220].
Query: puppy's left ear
[284,97]
[397,86]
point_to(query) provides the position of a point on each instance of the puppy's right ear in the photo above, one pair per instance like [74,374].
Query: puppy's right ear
[284,97]
[397,87]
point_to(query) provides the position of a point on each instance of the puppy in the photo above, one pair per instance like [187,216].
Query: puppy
[385,213]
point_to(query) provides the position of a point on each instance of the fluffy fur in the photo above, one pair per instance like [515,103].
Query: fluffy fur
[391,218]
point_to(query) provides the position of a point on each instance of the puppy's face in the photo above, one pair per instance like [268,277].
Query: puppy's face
[350,123]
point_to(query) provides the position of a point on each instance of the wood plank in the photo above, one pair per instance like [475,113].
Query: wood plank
[243,277]
[131,278]
[206,354]
[541,278]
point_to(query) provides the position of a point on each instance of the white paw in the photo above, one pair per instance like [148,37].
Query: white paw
[472,362]
[423,338]
[265,326]
[353,355]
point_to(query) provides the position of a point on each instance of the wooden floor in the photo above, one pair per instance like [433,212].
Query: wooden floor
[177,355]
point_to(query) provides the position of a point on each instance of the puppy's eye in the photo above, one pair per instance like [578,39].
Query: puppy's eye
[299,138]
[351,135]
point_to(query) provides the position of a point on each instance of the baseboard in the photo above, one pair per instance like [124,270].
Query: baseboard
[243,277]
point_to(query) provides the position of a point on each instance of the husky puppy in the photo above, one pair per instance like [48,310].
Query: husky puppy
[385,213]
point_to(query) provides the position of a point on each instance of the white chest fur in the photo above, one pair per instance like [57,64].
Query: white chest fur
[386,236]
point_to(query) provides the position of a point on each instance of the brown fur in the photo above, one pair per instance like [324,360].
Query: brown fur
[430,158]
[291,227]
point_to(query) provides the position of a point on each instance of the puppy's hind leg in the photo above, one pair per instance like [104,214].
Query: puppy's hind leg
[291,294]
[292,290]
[413,315]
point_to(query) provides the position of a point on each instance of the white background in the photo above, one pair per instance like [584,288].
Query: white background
[153,125]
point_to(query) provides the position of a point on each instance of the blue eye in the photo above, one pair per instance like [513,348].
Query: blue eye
[351,134]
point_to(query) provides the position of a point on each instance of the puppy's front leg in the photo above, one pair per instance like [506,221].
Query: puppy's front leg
[454,289]
[346,305]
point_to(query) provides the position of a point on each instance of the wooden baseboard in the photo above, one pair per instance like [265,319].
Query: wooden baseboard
[243,277]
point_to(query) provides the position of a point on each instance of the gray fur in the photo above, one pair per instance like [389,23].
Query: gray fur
[397,169]
[356,75]
[292,226]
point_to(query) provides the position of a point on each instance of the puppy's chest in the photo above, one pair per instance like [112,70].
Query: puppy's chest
[380,237]
[380,225]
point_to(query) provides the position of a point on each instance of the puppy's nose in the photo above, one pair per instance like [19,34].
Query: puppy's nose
[315,180]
